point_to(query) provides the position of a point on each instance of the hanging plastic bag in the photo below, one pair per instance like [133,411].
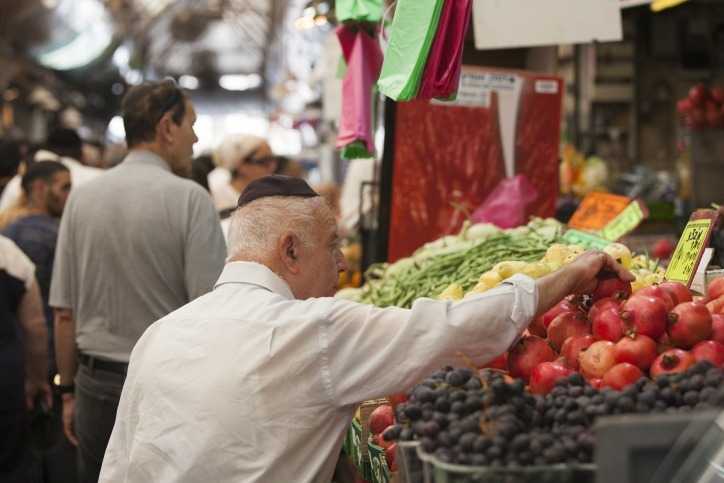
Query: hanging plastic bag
[358,10]
[412,32]
[442,70]
[507,206]
[364,59]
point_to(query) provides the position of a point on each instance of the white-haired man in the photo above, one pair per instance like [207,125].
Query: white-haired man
[258,380]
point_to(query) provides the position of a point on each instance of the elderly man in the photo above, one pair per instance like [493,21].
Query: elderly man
[258,380]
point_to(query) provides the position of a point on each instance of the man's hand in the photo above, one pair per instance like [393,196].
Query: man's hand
[68,417]
[33,389]
[586,268]
[579,276]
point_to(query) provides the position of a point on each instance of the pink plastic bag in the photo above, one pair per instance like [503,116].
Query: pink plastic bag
[507,205]
[442,70]
[363,55]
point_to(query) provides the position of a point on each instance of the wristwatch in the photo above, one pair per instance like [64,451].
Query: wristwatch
[66,388]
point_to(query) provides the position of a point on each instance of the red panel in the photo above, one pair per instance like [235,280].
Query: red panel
[452,155]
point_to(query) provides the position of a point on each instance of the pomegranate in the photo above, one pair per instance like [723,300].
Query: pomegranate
[678,291]
[663,249]
[596,383]
[622,375]
[716,306]
[536,327]
[717,328]
[698,94]
[500,362]
[637,349]
[568,304]
[545,375]
[715,289]
[390,453]
[689,323]
[572,346]
[528,353]
[609,325]
[597,359]
[609,285]
[664,343]
[566,325]
[709,350]
[603,304]
[397,398]
[381,418]
[658,292]
[647,315]
[672,361]
[684,106]
[380,441]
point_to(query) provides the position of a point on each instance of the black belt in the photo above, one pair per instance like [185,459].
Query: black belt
[103,364]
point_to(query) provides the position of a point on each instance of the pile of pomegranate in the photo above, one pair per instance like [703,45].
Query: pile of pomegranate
[611,352]
[703,107]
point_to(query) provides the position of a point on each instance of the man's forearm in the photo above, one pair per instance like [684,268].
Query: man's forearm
[65,348]
[35,333]
[554,287]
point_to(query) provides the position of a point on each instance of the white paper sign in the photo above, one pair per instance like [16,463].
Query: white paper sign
[524,23]
[699,282]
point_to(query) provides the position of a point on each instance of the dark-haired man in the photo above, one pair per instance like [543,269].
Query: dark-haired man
[136,243]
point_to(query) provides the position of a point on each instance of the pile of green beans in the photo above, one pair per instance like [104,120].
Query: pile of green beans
[430,276]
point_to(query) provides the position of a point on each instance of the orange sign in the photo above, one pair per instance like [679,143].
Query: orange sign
[598,210]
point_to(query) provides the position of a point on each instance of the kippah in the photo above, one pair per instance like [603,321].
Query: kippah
[276,185]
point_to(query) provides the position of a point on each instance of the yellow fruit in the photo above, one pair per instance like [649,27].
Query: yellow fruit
[508,269]
[620,253]
[490,278]
[454,291]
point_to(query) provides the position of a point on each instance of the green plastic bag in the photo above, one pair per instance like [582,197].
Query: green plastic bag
[412,32]
[358,10]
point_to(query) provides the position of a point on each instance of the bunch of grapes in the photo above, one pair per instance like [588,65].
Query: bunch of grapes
[487,421]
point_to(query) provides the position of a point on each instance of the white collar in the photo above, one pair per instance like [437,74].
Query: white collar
[255,274]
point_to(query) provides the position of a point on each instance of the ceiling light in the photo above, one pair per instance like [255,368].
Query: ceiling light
[239,82]
[188,82]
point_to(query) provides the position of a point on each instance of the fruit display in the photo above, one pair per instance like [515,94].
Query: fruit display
[702,108]
[487,419]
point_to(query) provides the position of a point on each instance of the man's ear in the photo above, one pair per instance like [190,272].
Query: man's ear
[164,132]
[289,245]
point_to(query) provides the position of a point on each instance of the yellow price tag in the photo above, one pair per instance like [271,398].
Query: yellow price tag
[659,5]
[688,251]
[625,222]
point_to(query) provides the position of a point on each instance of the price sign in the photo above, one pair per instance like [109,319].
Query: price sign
[597,210]
[380,473]
[688,251]
[625,222]
[587,240]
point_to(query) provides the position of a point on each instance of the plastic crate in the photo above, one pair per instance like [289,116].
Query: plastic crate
[436,471]
[409,465]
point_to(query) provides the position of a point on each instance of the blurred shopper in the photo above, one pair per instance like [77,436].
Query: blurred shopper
[63,145]
[242,158]
[23,360]
[136,243]
[201,166]
[46,186]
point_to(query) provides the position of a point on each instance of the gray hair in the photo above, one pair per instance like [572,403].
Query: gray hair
[256,228]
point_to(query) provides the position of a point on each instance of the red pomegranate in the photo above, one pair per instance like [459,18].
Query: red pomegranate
[709,350]
[658,292]
[609,285]
[381,418]
[596,382]
[566,325]
[715,288]
[603,304]
[717,328]
[528,353]
[609,325]
[647,315]
[678,291]
[397,398]
[390,453]
[664,343]
[568,304]
[597,359]
[622,375]
[536,327]
[672,361]
[572,346]
[689,323]
[380,441]
[545,375]
[637,349]
[716,306]
[500,362]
